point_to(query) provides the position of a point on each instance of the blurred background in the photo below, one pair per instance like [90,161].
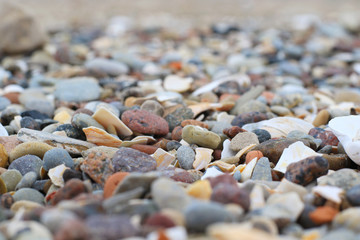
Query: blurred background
[54,14]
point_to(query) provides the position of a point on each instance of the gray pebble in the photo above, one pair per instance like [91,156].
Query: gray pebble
[55,157]
[186,157]
[29,194]
[27,180]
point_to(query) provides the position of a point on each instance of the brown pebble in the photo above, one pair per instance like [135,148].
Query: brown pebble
[322,215]
[7,200]
[148,149]
[159,220]
[217,154]
[72,188]
[112,182]
[72,230]
[176,134]
[224,193]
[233,131]
[194,122]
[321,118]
[253,154]
[13,97]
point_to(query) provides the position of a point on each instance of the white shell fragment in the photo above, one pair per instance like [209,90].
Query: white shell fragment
[202,158]
[331,193]
[347,130]
[294,153]
[101,138]
[163,158]
[56,175]
[211,172]
[247,172]
[178,84]
[280,126]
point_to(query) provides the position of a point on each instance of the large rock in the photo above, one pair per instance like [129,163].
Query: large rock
[18,30]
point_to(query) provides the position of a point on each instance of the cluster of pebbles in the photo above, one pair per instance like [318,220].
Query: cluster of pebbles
[221,133]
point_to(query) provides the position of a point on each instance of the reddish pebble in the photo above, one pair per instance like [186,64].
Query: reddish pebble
[253,154]
[323,215]
[71,189]
[13,97]
[233,131]
[223,178]
[176,134]
[112,182]
[224,193]
[72,230]
[144,122]
[217,154]
[160,221]
[148,149]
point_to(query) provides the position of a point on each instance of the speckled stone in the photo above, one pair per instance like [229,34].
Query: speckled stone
[327,137]
[307,170]
[200,136]
[262,135]
[176,117]
[242,140]
[153,107]
[71,131]
[28,194]
[55,157]
[98,167]
[186,157]
[11,178]
[131,160]
[26,164]
[72,188]
[141,121]
[343,178]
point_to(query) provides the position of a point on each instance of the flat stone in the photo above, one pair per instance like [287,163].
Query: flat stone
[253,93]
[242,140]
[262,170]
[106,66]
[72,90]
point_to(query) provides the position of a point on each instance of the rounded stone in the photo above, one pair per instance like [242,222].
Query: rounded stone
[112,182]
[321,118]
[153,106]
[130,160]
[307,170]
[327,137]
[72,230]
[242,140]
[35,114]
[4,102]
[82,120]
[144,122]
[3,156]
[248,117]
[56,157]
[106,66]
[27,180]
[171,145]
[28,122]
[186,157]
[26,164]
[199,215]
[175,118]
[71,131]
[225,194]
[6,200]
[262,135]
[353,195]
[253,154]
[33,148]
[348,218]
[323,215]
[200,136]
[11,178]
[29,194]
[72,188]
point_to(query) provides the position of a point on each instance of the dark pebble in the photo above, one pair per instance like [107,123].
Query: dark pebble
[35,114]
[29,122]
[224,193]
[27,163]
[71,131]
[262,135]
[327,137]
[131,160]
[55,157]
[353,195]
[250,117]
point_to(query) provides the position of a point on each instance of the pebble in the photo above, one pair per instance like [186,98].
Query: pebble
[305,171]
[27,180]
[32,148]
[106,66]
[72,90]
[72,188]
[226,194]
[153,107]
[26,164]
[131,160]
[200,136]
[348,218]
[3,156]
[200,189]
[242,140]
[82,120]
[323,215]
[353,194]
[248,117]
[176,117]
[262,135]
[11,178]
[322,118]
[98,167]
[144,122]
[28,194]
[343,178]
[55,157]
[112,182]
[262,170]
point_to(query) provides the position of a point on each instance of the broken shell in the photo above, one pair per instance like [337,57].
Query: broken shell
[138,140]
[248,170]
[225,167]
[347,130]
[280,126]
[178,84]
[202,107]
[244,150]
[132,101]
[56,175]
[211,172]
[163,158]
[101,138]
[107,119]
[294,153]
[202,158]
[331,193]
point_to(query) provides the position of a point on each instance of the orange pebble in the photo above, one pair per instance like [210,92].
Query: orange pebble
[323,215]
[112,182]
[253,154]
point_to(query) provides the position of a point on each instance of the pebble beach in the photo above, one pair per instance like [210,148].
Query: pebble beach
[224,131]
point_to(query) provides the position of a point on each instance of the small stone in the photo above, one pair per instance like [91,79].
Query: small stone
[9,142]
[112,182]
[106,66]
[148,149]
[353,195]
[280,110]
[225,194]
[11,178]
[136,181]
[33,148]
[173,145]
[131,160]
[110,227]
[28,122]
[72,188]
[305,171]
[176,133]
[153,107]
[6,200]
[72,90]
[56,217]
[200,136]
[348,218]
[144,122]
[233,131]
[168,194]
[82,120]
[322,215]
[304,219]
[175,118]
[55,157]
[253,93]
[322,118]
[98,167]
[27,180]
[327,137]
[253,154]
[343,178]
[26,164]
[200,189]
[28,194]
[248,117]
[262,170]
[63,117]
[3,188]
[71,131]
[242,140]
[3,156]
[159,220]
[200,215]
[72,230]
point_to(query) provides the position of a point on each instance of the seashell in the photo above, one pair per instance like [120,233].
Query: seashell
[211,172]
[227,152]
[178,84]
[225,167]
[347,130]
[244,150]
[163,158]
[202,107]
[202,158]
[109,120]
[239,168]
[138,140]
[331,193]
[56,175]
[280,126]
[13,88]
[132,101]
[294,153]
[249,168]
[3,131]
[166,96]
[241,79]
[101,138]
